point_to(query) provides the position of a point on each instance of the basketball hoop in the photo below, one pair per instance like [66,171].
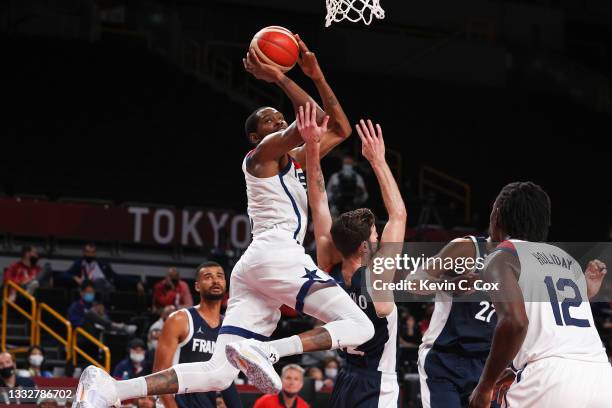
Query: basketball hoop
[353,10]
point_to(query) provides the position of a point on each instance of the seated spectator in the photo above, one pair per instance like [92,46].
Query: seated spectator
[292,378]
[90,314]
[35,364]
[10,379]
[89,268]
[159,323]
[152,339]
[134,365]
[346,189]
[171,291]
[145,402]
[316,375]
[26,272]
[409,331]
[331,371]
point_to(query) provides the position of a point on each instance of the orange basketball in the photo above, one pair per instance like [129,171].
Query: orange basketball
[276,46]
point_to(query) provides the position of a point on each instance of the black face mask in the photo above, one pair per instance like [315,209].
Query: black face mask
[89,259]
[33,260]
[7,372]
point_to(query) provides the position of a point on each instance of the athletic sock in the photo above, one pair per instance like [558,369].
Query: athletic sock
[134,388]
[289,346]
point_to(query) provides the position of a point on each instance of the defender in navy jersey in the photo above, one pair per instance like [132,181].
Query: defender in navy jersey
[190,336]
[457,342]
[369,378]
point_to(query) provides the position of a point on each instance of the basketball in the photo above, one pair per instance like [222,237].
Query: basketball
[276,46]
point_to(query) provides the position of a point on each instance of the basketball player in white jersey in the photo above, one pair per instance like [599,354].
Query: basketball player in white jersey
[545,326]
[368,379]
[273,271]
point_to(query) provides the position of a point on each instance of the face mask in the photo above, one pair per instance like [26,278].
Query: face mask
[89,259]
[7,372]
[137,357]
[152,344]
[35,360]
[318,385]
[347,168]
[331,372]
[33,260]
[89,297]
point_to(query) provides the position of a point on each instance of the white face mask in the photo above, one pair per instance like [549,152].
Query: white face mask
[318,385]
[35,360]
[152,344]
[331,372]
[137,357]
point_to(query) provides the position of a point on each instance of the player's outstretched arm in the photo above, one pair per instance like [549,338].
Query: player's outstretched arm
[512,323]
[339,127]
[327,254]
[391,245]
[166,347]
[373,149]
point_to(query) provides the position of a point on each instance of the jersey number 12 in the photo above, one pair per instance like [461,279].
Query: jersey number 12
[567,320]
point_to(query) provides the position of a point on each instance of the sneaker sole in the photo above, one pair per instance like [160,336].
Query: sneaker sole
[256,375]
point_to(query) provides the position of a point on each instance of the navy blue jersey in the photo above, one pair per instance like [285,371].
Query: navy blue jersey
[380,352]
[463,324]
[198,346]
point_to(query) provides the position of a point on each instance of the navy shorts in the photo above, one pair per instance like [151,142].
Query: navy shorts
[360,388]
[448,379]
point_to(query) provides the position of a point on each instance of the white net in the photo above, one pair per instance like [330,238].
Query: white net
[353,10]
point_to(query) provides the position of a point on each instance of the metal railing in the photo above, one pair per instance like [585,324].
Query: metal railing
[10,286]
[41,325]
[77,351]
[427,177]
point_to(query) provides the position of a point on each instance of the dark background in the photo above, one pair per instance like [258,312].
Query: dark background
[146,100]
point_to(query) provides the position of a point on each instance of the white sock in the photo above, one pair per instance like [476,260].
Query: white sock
[134,388]
[289,346]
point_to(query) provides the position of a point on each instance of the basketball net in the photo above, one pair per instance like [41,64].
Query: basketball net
[353,10]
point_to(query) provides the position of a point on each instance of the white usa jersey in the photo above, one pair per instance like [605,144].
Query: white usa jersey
[560,318]
[278,202]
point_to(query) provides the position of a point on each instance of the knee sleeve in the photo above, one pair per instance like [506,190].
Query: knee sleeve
[346,323]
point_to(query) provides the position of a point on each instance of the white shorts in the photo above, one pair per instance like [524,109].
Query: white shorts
[557,382]
[274,270]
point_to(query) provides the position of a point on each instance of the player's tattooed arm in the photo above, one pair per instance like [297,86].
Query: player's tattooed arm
[164,382]
[327,254]
[339,127]
[512,322]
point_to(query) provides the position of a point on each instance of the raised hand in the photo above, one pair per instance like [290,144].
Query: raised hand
[372,144]
[594,275]
[259,69]
[308,61]
[307,124]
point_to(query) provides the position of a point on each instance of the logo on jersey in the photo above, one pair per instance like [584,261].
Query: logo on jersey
[203,346]
[200,330]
